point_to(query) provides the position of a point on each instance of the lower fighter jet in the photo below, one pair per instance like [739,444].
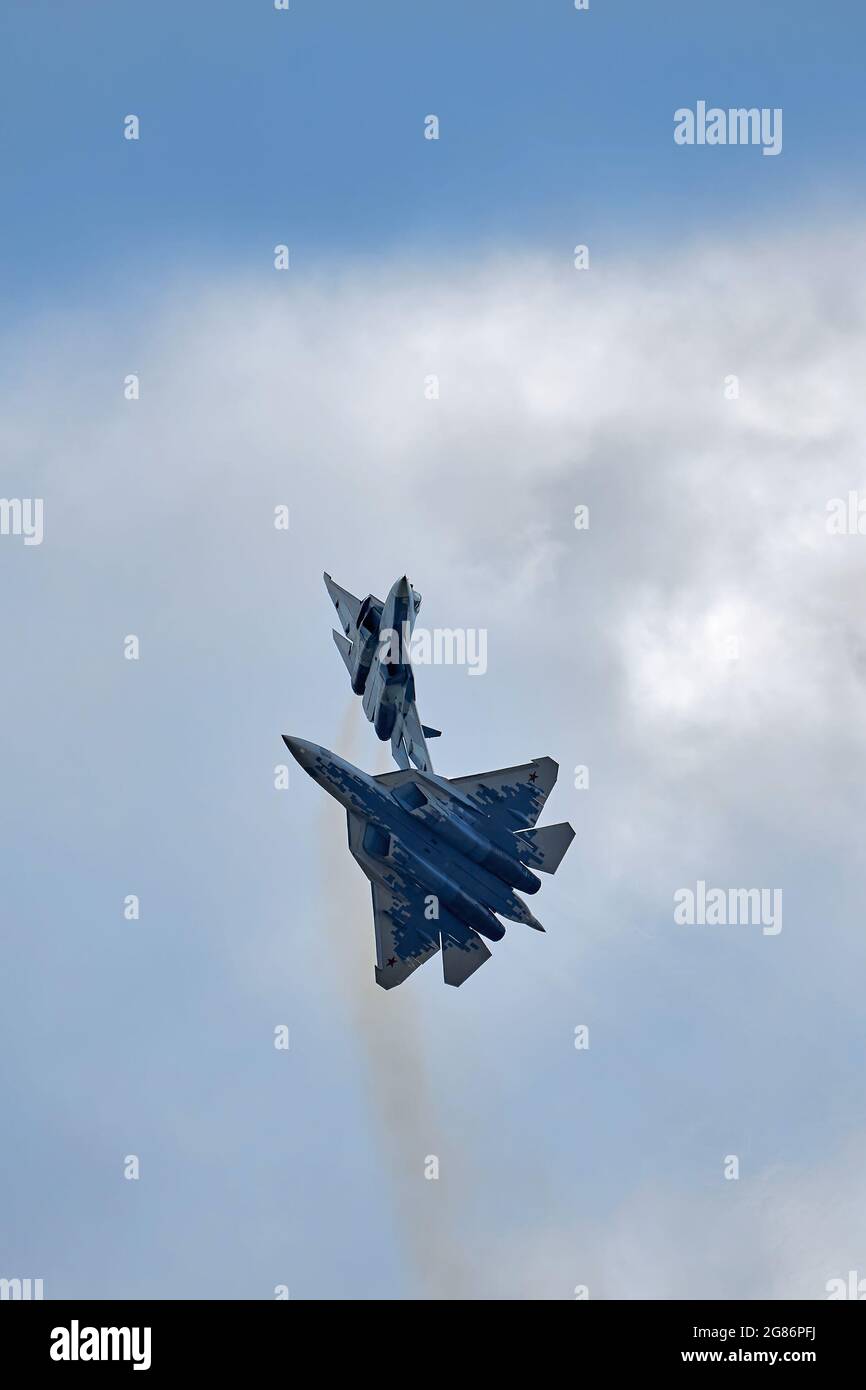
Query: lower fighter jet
[374,644]
[443,856]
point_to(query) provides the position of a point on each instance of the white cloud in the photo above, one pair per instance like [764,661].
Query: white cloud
[783,1233]
[608,647]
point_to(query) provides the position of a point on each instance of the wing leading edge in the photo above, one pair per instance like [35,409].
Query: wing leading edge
[512,796]
[348,607]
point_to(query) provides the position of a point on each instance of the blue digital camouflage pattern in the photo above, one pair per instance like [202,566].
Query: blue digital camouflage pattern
[443,857]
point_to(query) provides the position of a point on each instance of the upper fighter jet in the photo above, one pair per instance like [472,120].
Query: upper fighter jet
[442,856]
[374,644]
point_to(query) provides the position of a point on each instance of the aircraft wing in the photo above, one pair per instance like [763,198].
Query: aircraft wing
[512,796]
[348,607]
[405,939]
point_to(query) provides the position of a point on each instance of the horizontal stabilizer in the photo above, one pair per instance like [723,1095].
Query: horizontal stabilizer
[430,733]
[344,647]
[544,848]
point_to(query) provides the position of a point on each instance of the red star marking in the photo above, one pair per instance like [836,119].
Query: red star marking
[533,776]
[393,960]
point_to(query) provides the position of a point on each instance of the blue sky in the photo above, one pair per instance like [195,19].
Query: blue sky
[305,126]
[411,257]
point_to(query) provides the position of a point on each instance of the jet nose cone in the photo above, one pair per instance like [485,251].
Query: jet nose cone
[302,751]
[403,588]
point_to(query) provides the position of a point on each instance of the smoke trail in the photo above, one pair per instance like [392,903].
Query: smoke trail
[395,1055]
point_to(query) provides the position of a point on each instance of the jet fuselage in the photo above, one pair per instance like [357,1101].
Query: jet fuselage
[375,645]
[390,684]
[422,829]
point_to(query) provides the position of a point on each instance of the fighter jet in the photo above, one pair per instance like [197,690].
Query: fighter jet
[374,644]
[442,856]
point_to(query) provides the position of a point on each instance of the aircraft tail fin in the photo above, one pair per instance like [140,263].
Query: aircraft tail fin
[412,733]
[430,733]
[344,647]
[399,751]
[544,848]
[463,951]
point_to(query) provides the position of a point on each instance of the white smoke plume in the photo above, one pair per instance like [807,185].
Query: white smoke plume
[409,1126]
